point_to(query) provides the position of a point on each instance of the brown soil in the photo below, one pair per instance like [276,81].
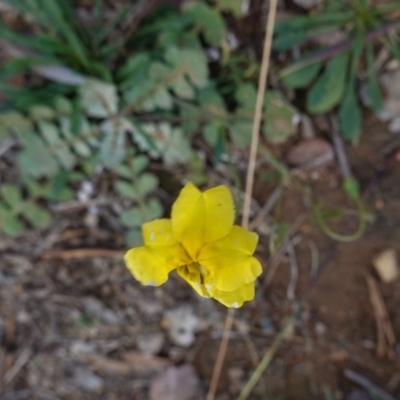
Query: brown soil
[62,319]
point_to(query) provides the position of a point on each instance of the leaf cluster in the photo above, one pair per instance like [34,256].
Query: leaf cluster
[149,105]
[329,74]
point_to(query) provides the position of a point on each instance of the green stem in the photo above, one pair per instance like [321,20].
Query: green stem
[354,195]
[269,355]
[337,236]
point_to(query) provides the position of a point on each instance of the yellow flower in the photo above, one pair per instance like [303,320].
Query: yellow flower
[201,243]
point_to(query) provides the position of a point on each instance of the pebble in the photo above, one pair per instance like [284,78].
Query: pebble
[385,264]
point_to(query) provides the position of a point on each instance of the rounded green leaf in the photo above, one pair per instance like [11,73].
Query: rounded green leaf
[328,90]
[302,77]
[350,115]
[11,194]
[38,217]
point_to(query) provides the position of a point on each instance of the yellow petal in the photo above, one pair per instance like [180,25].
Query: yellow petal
[191,274]
[150,265]
[235,298]
[199,218]
[229,260]
[158,233]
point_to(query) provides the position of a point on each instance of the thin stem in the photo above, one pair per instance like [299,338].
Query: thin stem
[258,112]
[221,355]
[249,181]
[268,356]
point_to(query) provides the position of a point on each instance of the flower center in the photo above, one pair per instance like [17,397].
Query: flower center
[197,275]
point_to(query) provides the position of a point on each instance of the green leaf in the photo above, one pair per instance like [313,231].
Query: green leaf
[135,69]
[139,188]
[211,133]
[35,159]
[126,189]
[79,145]
[138,164]
[63,106]
[195,170]
[302,77]
[154,209]
[328,90]
[178,149]
[9,224]
[99,99]
[233,6]
[140,95]
[190,120]
[135,216]
[112,149]
[211,101]
[146,183]
[11,195]
[278,124]
[191,62]
[240,131]
[35,215]
[246,96]
[352,188]
[350,115]
[208,20]
[169,142]
[51,133]
[56,20]
[16,123]
[134,238]
[290,39]
[135,167]
[132,217]
[39,112]
[182,88]
[56,189]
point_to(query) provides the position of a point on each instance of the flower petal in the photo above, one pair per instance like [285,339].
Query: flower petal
[235,298]
[150,265]
[229,260]
[158,233]
[199,218]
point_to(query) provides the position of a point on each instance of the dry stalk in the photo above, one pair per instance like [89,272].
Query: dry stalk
[249,181]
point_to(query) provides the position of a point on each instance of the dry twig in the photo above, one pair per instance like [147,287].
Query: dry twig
[385,334]
[81,253]
[249,180]
[367,384]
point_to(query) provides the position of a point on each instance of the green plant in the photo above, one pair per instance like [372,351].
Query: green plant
[62,38]
[149,105]
[330,74]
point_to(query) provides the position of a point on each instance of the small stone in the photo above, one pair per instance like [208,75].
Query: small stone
[386,266]
[150,342]
[97,309]
[310,153]
[182,324]
[86,380]
[79,347]
[175,383]
[394,125]
[307,4]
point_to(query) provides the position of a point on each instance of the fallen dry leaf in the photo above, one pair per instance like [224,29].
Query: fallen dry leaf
[175,383]
[134,362]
